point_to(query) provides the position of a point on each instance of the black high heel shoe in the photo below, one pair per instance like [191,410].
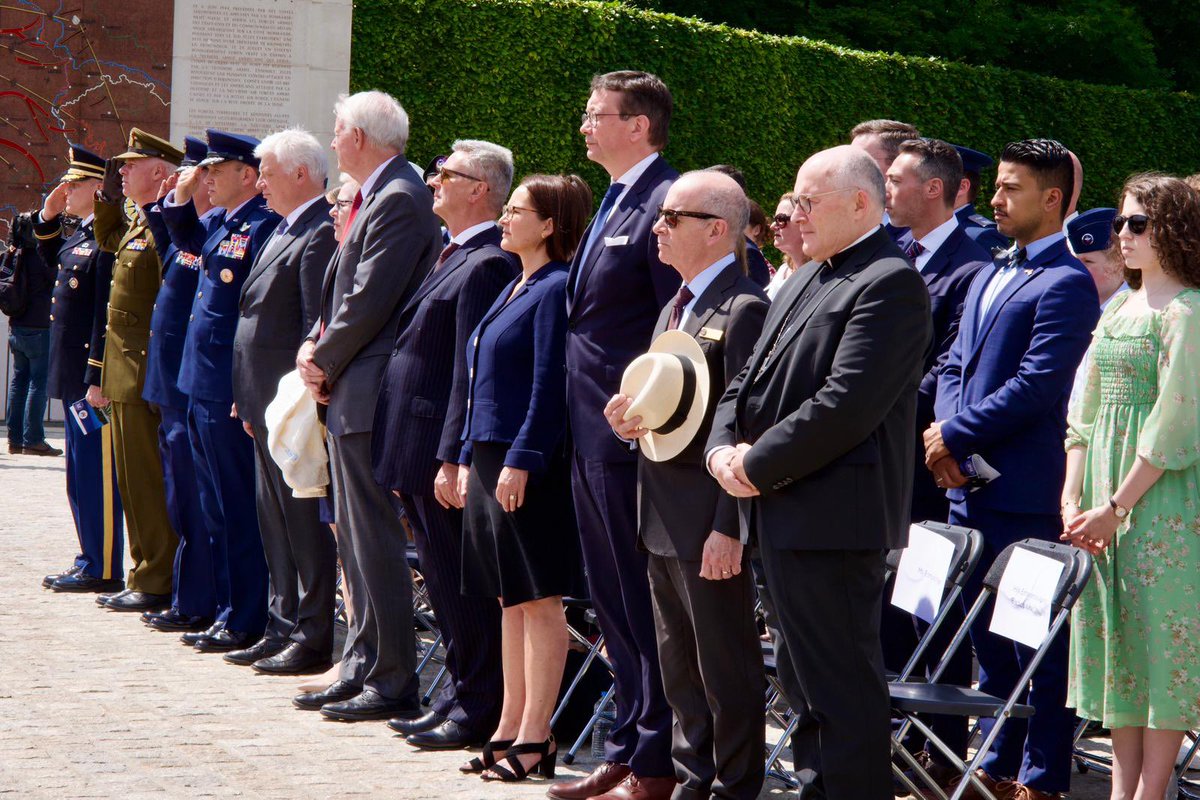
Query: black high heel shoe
[517,771]
[487,759]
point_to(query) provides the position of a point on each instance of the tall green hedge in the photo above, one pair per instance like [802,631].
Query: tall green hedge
[517,72]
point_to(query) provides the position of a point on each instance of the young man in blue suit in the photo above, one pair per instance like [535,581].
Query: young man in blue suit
[1002,394]
[616,287]
[419,421]
[922,184]
[224,455]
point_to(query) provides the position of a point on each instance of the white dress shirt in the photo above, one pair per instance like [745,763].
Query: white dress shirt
[932,241]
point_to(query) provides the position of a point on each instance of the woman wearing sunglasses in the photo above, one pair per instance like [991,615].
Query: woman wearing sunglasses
[787,241]
[1131,498]
[519,539]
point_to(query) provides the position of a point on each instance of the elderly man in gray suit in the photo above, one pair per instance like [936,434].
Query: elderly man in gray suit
[391,241]
[700,580]
[280,304]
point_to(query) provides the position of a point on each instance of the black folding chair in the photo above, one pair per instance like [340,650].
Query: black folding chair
[911,699]
[968,546]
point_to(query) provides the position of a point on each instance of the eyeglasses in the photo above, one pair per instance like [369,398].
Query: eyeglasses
[671,215]
[342,205]
[804,202]
[1137,224]
[444,174]
[781,220]
[510,211]
[589,118]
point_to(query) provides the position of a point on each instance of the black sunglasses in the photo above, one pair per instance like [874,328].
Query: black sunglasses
[671,215]
[1137,224]
[781,220]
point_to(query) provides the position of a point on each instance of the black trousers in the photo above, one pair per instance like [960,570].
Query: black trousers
[829,603]
[470,626]
[712,670]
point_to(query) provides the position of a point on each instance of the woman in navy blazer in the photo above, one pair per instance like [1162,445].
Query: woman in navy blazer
[519,539]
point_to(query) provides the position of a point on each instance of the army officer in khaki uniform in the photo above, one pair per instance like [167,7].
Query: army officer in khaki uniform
[137,273]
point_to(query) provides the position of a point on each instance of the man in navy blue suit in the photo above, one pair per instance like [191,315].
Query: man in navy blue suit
[922,184]
[881,138]
[976,225]
[419,422]
[1002,394]
[616,287]
[223,454]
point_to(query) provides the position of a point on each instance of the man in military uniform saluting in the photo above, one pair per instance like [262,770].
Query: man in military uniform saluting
[193,600]
[136,275]
[223,453]
[77,303]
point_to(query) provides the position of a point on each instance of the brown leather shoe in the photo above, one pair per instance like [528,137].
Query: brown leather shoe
[1014,790]
[604,777]
[999,788]
[635,788]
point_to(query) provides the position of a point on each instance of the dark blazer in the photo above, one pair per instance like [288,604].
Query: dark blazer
[756,265]
[422,403]
[172,307]
[279,304]
[517,357]
[830,412]
[948,275]
[228,250]
[1002,393]
[730,311]
[388,249]
[76,303]
[981,229]
[612,302]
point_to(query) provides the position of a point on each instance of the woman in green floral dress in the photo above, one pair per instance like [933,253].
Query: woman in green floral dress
[1132,495]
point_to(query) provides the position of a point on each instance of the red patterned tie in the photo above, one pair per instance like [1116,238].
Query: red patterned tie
[354,207]
[446,253]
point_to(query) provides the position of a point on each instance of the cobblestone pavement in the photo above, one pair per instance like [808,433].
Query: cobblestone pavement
[95,705]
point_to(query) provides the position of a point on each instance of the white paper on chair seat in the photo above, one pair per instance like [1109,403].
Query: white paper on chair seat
[1023,600]
[921,576]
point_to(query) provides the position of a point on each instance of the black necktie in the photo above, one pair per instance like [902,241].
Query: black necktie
[684,297]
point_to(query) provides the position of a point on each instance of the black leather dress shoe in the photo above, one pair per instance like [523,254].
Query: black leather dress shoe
[171,620]
[333,693]
[370,704]
[294,659]
[263,648]
[82,582]
[225,640]
[138,601]
[190,639]
[408,727]
[49,579]
[447,736]
[102,600]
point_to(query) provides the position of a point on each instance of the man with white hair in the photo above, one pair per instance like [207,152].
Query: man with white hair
[700,579]
[279,305]
[815,439]
[390,243]
[419,423]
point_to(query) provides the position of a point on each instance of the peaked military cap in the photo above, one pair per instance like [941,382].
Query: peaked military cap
[225,146]
[973,160]
[84,164]
[147,145]
[194,151]
[1091,231]
[432,167]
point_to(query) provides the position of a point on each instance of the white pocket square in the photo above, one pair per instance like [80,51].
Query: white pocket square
[615,241]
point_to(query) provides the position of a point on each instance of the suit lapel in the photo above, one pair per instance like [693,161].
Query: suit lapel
[290,239]
[711,299]
[438,275]
[1024,275]
[781,310]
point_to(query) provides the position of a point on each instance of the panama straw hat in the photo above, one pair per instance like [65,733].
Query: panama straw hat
[669,386]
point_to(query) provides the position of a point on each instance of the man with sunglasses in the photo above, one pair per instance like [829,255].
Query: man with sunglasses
[615,289]
[1002,394]
[815,438]
[419,422]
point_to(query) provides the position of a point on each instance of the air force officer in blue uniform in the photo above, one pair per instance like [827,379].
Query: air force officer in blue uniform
[224,454]
[193,592]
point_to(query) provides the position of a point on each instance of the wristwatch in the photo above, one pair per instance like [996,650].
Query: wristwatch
[1121,511]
